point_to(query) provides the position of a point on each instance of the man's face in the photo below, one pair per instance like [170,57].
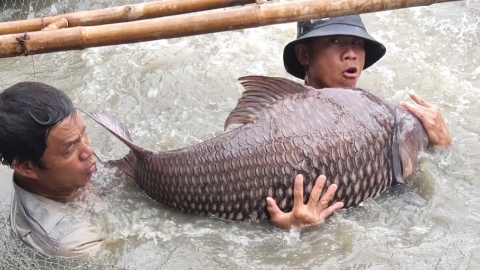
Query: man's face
[334,61]
[68,156]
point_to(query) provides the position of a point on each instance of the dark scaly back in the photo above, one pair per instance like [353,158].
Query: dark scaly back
[287,129]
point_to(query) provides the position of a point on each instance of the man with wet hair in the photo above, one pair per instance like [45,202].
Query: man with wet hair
[43,138]
[333,53]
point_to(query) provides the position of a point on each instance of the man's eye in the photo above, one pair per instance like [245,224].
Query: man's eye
[70,148]
[358,42]
[335,40]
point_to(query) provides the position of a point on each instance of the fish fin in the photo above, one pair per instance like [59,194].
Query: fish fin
[408,193]
[259,92]
[112,124]
[126,164]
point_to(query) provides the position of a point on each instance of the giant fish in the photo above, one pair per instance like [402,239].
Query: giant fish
[357,140]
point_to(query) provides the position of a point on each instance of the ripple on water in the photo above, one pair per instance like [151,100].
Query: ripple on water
[174,93]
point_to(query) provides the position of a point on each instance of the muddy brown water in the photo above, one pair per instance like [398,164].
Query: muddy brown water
[178,92]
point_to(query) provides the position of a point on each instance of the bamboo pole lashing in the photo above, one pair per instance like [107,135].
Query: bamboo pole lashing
[121,14]
[58,24]
[79,38]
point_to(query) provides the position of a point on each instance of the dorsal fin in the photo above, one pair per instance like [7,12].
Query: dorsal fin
[259,92]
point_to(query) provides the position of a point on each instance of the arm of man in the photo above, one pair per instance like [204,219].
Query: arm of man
[303,215]
[432,120]
[80,241]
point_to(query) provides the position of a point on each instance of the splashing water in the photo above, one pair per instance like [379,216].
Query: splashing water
[178,92]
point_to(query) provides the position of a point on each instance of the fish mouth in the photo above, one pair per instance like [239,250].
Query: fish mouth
[350,73]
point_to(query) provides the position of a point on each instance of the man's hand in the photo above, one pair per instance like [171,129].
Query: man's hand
[432,120]
[310,214]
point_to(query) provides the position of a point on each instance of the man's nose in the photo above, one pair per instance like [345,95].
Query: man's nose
[86,152]
[349,53]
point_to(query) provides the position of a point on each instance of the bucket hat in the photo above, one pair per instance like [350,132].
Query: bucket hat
[346,25]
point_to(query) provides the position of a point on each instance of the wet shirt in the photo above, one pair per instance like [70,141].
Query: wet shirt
[49,227]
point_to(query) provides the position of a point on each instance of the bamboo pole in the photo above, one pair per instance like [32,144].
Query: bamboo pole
[121,14]
[58,24]
[79,38]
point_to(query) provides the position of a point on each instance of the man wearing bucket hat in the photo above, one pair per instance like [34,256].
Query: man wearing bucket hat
[333,53]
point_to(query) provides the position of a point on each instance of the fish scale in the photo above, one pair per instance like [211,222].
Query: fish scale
[348,135]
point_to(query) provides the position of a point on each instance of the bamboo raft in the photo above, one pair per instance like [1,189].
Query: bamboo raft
[171,19]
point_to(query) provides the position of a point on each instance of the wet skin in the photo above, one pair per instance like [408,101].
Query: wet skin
[333,61]
[69,162]
[337,61]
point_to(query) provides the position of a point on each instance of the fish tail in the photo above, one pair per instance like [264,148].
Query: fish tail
[126,164]
[112,124]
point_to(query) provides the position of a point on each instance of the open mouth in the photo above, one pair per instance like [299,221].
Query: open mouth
[350,73]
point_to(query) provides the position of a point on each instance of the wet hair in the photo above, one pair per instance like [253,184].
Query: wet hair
[28,112]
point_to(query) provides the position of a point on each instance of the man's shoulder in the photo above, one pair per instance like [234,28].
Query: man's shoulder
[41,213]
[46,225]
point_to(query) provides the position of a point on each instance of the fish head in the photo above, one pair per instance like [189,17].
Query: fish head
[412,140]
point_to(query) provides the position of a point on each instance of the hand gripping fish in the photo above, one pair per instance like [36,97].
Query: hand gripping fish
[358,141]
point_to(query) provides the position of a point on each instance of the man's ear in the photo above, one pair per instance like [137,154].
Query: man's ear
[301,50]
[26,169]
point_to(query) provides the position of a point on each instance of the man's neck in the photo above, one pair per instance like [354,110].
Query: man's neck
[319,85]
[32,186]
[312,83]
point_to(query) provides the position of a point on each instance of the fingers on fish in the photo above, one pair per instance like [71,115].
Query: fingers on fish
[316,192]
[298,190]
[327,197]
[330,210]
[419,100]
